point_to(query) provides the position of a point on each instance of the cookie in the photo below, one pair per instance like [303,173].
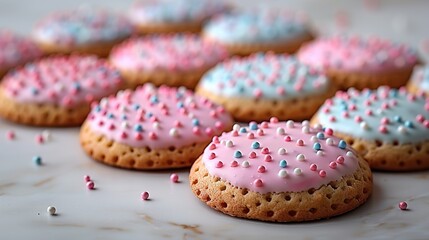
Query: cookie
[163,16]
[244,33]
[361,63]
[172,59]
[81,31]
[152,128]
[56,91]
[280,172]
[16,50]
[264,85]
[388,127]
[419,82]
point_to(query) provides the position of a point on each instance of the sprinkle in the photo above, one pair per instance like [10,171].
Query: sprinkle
[287,139]
[90,185]
[330,142]
[174,178]
[212,146]
[86,178]
[212,155]
[253,126]
[322,173]
[364,125]
[37,160]
[313,139]
[384,120]
[300,157]
[426,123]
[383,129]
[320,135]
[274,120]
[229,144]
[297,171]
[250,136]
[51,210]
[144,196]
[260,132]
[238,154]
[219,164]
[342,144]
[236,127]
[320,153]
[403,205]
[305,129]
[261,169]
[10,135]
[329,131]
[215,139]
[283,164]
[333,165]
[195,122]
[138,128]
[124,125]
[317,146]
[300,142]
[282,173]
[402,130]
[358,119]
[280,131]
[245,164]
[340,159]
[46,134]
[234,163]
[409,124]
[268,158]
[281,151]
[255,145]
[290,124]
[40,139]
[264,124]
[350,154]
[265,150]
[313,167]
[243,130]
[258,183]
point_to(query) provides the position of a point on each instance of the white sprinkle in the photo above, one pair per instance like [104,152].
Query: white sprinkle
[236,127]
[313,139]
[290,124]
[229,144]
[297,171]
[402,130]
[380,111]
[305,129]
[51,210]
[223,142]
[300,157]
[320,153]
[306,123]
[103,102]
[174,132]
[155,125]
[280,131]
[46,135]
[60,87]
[123,108]
[318,126]
[282,151]
[124,125]
[364,125]
[329,141]
[191,115]
[245,164]
[350,154]
[282,173]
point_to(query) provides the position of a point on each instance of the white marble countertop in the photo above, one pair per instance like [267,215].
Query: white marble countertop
[115,211]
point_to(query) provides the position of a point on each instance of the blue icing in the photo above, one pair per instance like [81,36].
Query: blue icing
[254,27]
[177,11]
[402,127]
[268,73]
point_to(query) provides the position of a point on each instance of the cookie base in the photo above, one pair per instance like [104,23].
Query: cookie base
[252,109]
[116,154]
[42,115]
[413,88]
[327,201]
[153,28]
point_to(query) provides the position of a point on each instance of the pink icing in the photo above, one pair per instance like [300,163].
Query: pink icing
[260,169]
[63,80]
[179,52]
[16,50]
[158,118]
[356,54]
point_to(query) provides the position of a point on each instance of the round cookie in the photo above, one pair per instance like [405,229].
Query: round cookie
[163,16]
[81,31]
[361,63]
[172,59]
[16,50]
[152,128]
[56,91]
[265,85]
[388,127]
[419,82]
[258,31]
[280,172]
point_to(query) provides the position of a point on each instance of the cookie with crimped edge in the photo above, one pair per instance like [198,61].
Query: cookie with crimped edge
[361,62]
[281,172]
[163,16]
[263,85]
[152,128]
[17,50]
[84,30]
[419,82]
[247,32]
[170,59]
[56,91]
[388,127]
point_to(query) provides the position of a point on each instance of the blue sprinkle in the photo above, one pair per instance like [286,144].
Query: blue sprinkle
[397,119]
[180,105]
[394,92]
[97,108]
[149,114]
[179,95]
[317,146]
[237,154]
[243,130]
[253,126]
[154,99]
[241,89]
[195,122]
[320,135]
[34,91]
[342,144]
[76,86]
[138,128]
[255,145]
[110,116]
[283,164]
[136,107]
[37,160]
[124,117]
[409,124]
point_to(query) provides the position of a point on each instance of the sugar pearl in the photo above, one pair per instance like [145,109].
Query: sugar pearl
[90,185]
[290,124]
[300,157]
[282,173]
[144,196]
[245,164]
[229,144]
[51,210]
[297,171]
[403,205]
[174,178]
[281,151]
[330,141]
[280,131]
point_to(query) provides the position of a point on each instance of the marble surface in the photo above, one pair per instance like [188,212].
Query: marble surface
[115,211]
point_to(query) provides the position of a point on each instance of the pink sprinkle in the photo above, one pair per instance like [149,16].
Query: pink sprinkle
[345,114]
[274,120]
[145,196]
[112,127]
[264,124]
[368,112]
[219,125]
[257,93]
[300,142]
[10,135]
[212,146]
[280,90]
[216,140]
[138,136]
[326,110]
[153,136]
[329,131]
[340,159]
[86,178]
[261,169]
[177,124]
[353,107]
[420,118]
[175,178]
[258,183]
[124,135]
[260,132]
[322,173]
[385,121]
[313,167]
[235,133]
[90,185]
[268,158]
[383,129]
[287,139]
[403,205]
[196,130]
[209,131]
[252,155]
[265,150]
[333,165]
[358,119]
[250,136]
[40,139]
[332,119]
[411,97]
[219,164]
[234,163]
[426,123]
[212,155]
[213,114]
[385,106]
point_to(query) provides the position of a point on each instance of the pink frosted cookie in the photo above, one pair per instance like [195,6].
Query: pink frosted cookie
[15,50]
[56,91]
[361,63]
[152,128]
[174,60]
[281,172]
[82,30]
